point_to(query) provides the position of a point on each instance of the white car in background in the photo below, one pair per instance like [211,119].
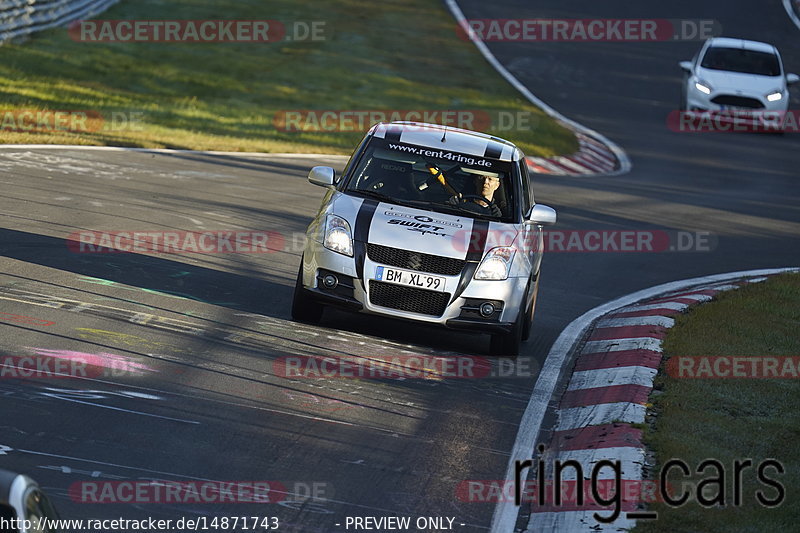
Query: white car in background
[736,75]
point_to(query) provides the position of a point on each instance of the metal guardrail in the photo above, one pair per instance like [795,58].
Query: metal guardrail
[19,18]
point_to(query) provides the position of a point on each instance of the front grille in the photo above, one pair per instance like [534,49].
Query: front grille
[408,298]
[433,264]
[737,101]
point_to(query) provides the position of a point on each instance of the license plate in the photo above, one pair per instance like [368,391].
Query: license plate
[410,279]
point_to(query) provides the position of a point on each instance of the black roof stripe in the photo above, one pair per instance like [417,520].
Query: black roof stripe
[493,150]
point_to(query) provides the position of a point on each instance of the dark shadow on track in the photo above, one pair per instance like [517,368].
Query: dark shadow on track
[243,293]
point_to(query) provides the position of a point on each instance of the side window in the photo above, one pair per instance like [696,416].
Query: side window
[354,158]
[527,194]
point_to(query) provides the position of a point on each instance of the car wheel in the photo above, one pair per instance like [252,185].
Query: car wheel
[507,344]
[528,324]
[304,308]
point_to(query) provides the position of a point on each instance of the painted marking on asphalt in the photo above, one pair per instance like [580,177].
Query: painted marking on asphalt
[79,396]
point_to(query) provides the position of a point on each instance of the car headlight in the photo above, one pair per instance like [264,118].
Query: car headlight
[702,87]
[775,96]
[496,265]
[338,236]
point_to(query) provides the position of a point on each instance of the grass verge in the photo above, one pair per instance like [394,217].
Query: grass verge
[732,419]
[224,96]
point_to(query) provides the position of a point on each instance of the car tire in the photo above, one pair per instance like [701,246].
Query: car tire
[528,324]
[508,344]
[304,308]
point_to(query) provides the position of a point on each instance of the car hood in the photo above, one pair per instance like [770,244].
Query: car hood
[419,230]
[736,82]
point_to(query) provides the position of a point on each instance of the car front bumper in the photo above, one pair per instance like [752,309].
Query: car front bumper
[465,294]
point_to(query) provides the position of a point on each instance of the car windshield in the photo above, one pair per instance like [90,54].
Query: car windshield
[435,179]
[741,60]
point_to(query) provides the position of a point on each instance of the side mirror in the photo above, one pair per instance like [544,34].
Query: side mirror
[322,176]
[792,79]
[542,215]
[21,497]
[686,66]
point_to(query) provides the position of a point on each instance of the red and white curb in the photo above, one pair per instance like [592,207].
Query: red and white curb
[596,155]
[592,158]
[608,391]
[616,351]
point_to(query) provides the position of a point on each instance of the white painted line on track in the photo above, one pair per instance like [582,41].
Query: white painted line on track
[787,4]
[505,513]
[622,157]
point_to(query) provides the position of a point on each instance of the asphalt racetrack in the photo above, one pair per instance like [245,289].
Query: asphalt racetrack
[203,331]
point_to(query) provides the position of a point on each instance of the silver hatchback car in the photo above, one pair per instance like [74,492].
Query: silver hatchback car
[431,224]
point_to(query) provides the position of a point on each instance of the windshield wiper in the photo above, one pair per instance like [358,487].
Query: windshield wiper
[375,194]
[399,201]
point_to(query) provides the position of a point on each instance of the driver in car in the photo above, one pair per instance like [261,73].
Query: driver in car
[483,202]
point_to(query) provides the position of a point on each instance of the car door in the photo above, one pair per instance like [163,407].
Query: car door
[531,235]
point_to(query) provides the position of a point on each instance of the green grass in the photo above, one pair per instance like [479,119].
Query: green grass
[375,55]
[730,419]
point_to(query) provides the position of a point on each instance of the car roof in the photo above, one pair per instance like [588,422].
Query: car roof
[455,139]
[728,42]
